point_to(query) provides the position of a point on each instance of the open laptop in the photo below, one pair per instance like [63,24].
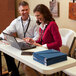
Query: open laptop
[19,45]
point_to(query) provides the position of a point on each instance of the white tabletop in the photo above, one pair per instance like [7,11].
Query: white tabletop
[28,60]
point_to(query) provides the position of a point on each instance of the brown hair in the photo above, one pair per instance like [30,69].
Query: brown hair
[23,3]
[45,11]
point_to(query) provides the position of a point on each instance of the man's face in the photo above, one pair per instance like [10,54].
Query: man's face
[24,12]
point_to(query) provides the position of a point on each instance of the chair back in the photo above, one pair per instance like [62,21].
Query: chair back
[67,36]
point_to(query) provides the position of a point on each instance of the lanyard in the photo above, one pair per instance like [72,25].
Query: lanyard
[42,33]
[27,26]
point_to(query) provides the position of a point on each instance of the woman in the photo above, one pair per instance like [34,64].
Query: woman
[49,36]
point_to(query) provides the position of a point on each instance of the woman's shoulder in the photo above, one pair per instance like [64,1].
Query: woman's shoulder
[52,22]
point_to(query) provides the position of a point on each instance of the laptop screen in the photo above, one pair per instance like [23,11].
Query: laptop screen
[12,40]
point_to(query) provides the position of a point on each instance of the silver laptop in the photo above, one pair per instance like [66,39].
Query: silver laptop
[19,45]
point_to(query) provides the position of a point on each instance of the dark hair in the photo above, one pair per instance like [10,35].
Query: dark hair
[45,11]
[23,3]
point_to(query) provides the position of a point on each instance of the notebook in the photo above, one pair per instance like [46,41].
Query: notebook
[19,45]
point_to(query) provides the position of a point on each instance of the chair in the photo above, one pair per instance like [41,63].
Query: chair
[71,71]
[68,38]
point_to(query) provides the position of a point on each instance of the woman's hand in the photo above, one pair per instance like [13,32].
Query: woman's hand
[28,40]
[31,41]
[37,44]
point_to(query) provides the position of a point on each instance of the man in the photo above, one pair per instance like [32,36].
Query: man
[24,26]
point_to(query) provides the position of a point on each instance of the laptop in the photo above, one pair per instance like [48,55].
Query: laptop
[19,45]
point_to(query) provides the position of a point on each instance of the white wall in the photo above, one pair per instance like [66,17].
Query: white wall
[63,20]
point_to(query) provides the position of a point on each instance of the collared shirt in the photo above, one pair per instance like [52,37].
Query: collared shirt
[43,27]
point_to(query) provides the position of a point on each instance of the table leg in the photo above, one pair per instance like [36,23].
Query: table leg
[0,65]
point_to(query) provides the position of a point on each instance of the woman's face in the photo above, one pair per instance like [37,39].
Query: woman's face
[39,16]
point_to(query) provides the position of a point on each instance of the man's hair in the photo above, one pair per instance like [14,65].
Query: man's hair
[23,3]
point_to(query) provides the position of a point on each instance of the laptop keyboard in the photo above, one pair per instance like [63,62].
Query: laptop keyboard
[25,46]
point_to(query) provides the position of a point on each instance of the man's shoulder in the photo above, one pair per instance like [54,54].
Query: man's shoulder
[18,18]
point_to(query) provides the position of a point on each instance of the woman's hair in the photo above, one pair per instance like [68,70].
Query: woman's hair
[44,11]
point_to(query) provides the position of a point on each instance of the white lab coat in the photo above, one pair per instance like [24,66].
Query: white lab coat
[16,26]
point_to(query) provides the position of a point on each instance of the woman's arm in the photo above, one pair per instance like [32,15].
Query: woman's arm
[56,36]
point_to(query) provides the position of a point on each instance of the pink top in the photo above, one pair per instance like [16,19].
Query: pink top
[51,36]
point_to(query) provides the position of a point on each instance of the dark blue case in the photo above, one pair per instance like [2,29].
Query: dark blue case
[49,57]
